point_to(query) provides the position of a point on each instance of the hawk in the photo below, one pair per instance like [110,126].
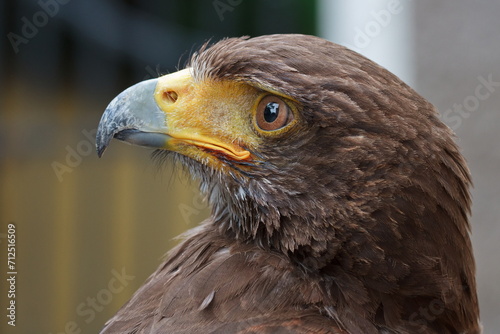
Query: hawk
[340,201]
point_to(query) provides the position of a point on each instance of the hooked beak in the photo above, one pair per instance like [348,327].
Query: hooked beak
[168,113]
[134,117]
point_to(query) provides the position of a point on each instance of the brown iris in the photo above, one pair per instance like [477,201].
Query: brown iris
[273,113]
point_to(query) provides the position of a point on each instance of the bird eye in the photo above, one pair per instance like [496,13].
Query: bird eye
[273,113]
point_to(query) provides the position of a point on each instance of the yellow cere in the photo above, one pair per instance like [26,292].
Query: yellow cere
[212,114]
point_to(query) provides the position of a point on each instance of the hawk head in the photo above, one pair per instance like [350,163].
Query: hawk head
[306,148]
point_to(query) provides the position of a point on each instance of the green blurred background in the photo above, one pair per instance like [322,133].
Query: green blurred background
[89,231]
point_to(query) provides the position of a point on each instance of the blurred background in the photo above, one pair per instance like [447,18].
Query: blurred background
[89,231]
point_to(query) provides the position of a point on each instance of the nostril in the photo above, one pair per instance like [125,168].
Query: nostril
[170,96]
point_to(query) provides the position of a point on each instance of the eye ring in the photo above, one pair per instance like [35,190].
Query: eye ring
[273,113]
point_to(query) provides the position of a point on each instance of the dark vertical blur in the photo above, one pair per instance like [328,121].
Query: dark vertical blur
[90,231]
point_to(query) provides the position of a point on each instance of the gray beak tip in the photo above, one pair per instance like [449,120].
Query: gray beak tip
[103,137]
[100,150]
[133,110]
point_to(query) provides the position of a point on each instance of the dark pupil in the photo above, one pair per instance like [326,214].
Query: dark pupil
[271,112]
